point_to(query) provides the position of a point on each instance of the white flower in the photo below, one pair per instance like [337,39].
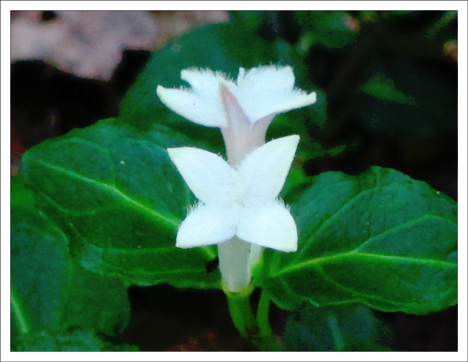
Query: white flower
[238,209]
[243,109]
[238,202]
[260,92]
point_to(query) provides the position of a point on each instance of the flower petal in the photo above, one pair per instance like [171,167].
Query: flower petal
[209,177]
[198,108]
[263,172]
[270,225]
[207,225]
[204,82]
[271,76]
[269,90]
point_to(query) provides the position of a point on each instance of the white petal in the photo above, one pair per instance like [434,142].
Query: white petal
[270,76]
[266,91]
[209,177]
[270,225]
[203,81]
[270,103]
[263,172]
[207,225]
[204,110]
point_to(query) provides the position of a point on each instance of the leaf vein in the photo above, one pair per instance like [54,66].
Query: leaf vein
[404,225]
[172,222]
[317,261]
[343,207]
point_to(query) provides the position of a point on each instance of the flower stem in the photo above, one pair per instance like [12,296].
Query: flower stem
[262,314]
[256,330]
[241,313]
[268,338]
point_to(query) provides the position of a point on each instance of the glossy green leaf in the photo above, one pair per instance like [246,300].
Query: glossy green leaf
[67,341]
[349,327]
[50,290]
[221,47]
[380,238]
[120,199]
[331,29]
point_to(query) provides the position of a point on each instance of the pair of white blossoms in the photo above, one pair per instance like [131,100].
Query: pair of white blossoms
[239,208]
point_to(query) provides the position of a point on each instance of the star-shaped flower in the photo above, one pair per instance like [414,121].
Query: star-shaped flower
[238,201]
[260,92]
[243,109]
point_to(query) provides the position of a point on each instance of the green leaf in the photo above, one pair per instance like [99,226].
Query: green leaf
[381,87]
[380,238]
[21,196]
[329,28]
[220,47]
[350,327]
[50,290]
[67,341]
[119,198]
[440,24]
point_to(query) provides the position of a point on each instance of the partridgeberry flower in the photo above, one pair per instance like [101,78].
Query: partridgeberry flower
[238,209]
[238,201]
[243,109]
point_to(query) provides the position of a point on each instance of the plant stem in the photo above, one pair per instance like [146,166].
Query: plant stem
[269,342]
[256,330]
[241,313]
[262,314]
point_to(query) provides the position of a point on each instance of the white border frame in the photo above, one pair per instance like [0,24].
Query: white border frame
[7,6]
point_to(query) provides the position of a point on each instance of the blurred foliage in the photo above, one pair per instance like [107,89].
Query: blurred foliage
[76,340]
[384,74]
[350,327]
[381,87]
[332,29]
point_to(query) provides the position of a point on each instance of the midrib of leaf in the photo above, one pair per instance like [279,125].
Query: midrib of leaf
[18,313]
[161,276]
[287,288]
[356,251]
[317,261]
[355,294]
[361,294]
[153,272]
[347,205]
[171,222]
[158,250]
[403,226]
[205,249]
[339,211]
[121,270]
